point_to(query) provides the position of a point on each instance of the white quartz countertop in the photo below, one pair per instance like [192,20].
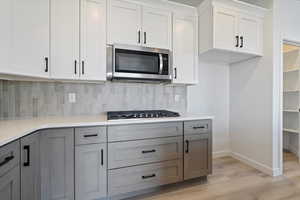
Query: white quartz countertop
[11,130]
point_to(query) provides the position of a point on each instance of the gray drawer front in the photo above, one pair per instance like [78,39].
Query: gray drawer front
[90,135]
[144,131]
[143,177]
[197,127]
[9,157]
[123,154]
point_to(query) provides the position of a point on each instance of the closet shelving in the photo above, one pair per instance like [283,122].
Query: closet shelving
[291,98]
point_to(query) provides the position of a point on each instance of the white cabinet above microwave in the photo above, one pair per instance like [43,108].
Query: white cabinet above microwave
[134,24]
[230,31]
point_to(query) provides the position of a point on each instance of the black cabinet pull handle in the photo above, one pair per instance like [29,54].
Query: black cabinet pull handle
[149,176]
[199,127]
[145,38]
[91,135]
[6,160]
[82,66]
[175,70]
[75,66]
[237,41]
[187,146]
[139,37]
[102,159]
[242,42]
[47,64]
[27,149]
[149,151]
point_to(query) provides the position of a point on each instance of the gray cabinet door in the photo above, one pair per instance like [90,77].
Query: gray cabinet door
[197,156]
[57,164]
[90,171]
[123,154]
[30,167]
[10,185]
[9,157]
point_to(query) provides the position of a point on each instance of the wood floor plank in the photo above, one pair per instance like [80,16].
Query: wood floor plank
[233,180]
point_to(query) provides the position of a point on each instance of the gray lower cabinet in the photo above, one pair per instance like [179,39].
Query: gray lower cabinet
[30,167]
[91,171]
[197,156]
[141,177]
[57,164]
[10,185]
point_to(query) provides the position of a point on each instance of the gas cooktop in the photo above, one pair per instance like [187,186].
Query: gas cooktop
[134,114]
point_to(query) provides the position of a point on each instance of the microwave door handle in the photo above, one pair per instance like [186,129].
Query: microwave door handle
[160,63]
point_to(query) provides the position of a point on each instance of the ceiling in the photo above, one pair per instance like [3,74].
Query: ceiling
[262,3]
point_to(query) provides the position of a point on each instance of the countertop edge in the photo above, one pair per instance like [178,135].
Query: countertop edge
[44,126]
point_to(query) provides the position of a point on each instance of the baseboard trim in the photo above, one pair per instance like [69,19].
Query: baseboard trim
[220,154]
[259,166]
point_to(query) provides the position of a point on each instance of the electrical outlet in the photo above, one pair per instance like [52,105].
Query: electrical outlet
[177,98]
[72,97]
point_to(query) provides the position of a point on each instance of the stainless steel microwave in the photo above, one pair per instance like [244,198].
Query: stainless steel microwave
[138,63]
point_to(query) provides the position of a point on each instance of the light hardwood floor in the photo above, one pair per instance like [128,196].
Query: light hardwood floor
[233,180]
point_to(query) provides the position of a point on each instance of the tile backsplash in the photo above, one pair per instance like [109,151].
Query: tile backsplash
[20,99]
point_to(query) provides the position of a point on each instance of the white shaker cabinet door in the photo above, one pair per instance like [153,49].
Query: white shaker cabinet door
[90,171]
[24,37]
[124,23]
[64,39]
[250,32]
[5,35]
[157,28]
[93,40]
[185,48]
[225,29]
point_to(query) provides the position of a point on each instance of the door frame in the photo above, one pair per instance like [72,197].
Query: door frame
[278,131]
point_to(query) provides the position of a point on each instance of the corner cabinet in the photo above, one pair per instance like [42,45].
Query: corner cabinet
[139,25]
[185,49]
[57,164]
[10,171]
[230,31]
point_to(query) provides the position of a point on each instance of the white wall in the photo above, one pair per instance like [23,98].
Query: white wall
[211,96]
[251,106]
[290,14]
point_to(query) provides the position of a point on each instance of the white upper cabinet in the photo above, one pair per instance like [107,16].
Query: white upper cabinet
[65,39]
[134,24]
[157,28]
[78,50]
[185,49]
[225,25]
[250,33]
[5,35]
[230,31]
[24,37]
[124,23]
[93,40]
